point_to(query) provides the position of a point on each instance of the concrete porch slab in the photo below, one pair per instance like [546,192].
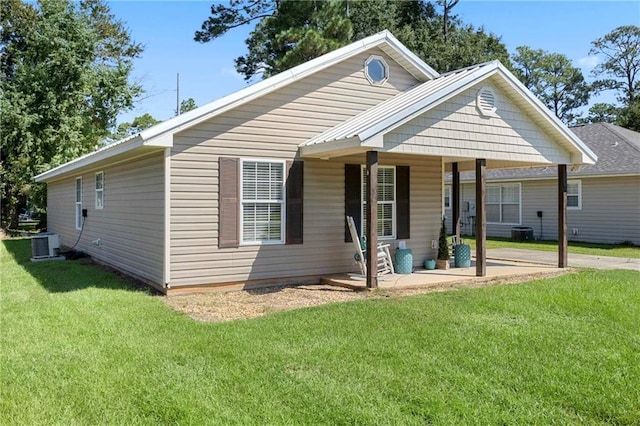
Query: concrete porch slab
[421,278]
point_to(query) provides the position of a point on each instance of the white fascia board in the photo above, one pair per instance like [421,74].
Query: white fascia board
[407,114]
[285,78]
[585,156]
[328,149]
[375,142]
[86,160]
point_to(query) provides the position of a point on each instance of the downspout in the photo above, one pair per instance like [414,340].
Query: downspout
[166,273]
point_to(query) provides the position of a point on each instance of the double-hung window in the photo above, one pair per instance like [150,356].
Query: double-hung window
[79,203]
[99,190]
[574,195]
[503,203]
[386,201]
[262,212]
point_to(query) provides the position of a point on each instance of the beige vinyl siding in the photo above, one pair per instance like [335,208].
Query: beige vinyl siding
[131,224]
[457,129]
[610,210]
[271,127]
[196,259]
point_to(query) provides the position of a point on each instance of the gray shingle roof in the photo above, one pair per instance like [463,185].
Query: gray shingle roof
[617,148]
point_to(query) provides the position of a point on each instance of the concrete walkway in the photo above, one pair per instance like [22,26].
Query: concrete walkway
[575,260]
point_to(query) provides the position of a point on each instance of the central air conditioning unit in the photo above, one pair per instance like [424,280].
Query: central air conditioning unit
[45,245]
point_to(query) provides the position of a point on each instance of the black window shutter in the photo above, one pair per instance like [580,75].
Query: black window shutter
[402,202]
[352,197]
[295,192]
[228,202]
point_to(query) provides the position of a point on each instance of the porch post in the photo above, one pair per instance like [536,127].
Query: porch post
[562,216]
[455,200]
[372,219]
[481,218]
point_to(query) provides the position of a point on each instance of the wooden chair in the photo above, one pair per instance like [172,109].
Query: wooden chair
[385,262]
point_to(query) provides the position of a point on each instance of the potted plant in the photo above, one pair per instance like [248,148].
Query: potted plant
[443,248]
[429,264]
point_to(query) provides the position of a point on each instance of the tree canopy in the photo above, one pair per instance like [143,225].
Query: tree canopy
[619,71]
[64,77]
[187,105]
[291,32]
[126,129]
[553,79]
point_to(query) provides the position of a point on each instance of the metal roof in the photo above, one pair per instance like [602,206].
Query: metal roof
[367,127]
[160,135]
[400,107]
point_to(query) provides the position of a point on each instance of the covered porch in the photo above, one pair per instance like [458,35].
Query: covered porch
[472,119]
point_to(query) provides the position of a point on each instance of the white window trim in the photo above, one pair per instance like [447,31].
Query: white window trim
[78,204]
[500,185]
[363,199]
[447,188]
[579,194]
[100,191]
[384,64]
[283,202]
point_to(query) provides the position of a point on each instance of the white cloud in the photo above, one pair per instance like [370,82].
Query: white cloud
[588,62]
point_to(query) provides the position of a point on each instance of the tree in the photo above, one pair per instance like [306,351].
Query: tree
[619,71]
[64,78]
[603,113]
[629,116]
[621,51]
[446,9]
[187,105]
[136,126]
[552,77]
[290,32]
[526,65]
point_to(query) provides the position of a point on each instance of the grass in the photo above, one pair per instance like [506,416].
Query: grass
[615,250]
[82,346]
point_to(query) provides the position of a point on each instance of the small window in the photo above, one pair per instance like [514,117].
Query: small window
[262,213]
[99,190]
[376,70]
[79,203]
[486,101]
[386,201]
[574,195]
[447,197]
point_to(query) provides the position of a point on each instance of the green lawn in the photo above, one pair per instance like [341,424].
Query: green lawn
[81,346]
[615,250]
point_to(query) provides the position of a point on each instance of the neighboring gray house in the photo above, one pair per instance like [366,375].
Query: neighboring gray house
[603,198]
[254,188]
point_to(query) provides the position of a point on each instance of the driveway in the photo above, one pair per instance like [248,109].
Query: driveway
[575,260]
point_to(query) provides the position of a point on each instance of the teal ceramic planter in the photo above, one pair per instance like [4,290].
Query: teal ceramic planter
[430,264]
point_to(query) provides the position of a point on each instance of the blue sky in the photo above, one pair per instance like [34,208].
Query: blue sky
[207,70]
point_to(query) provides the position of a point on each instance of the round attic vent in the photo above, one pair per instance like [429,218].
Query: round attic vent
[486,101]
